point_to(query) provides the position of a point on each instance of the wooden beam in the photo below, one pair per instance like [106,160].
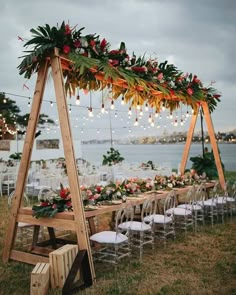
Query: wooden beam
[25,160]
[188,142]
[214,145]
[81,230]
[27,257]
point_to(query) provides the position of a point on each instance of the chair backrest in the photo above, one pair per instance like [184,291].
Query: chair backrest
[124,214]
[170,202]
[45,193]
[10,197]
[200,194]
[148,208]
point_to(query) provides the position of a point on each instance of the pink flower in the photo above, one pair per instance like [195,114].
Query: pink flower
[139,69]
[113,62]
[196,80]
[103,44]
[160,76]
[190,91]
[96,196]
[216,95]
[66,49]
[67,30]
[54,206]
[77,44]
[92,43]
[69,204]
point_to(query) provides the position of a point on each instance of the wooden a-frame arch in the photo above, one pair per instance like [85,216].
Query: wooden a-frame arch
[211,132]
[67,220]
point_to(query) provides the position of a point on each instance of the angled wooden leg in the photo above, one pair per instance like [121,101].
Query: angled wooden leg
[188,142]
[25,160]
[211,132]
[81,230]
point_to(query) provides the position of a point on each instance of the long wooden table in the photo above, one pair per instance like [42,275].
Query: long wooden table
[65,220]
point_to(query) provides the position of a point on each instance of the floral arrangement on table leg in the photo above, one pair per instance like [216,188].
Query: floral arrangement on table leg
[53,203]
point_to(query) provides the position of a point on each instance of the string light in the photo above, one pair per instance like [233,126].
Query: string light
[136,122]
[112,105]
[77,102]
[146,107]
[138,106]
[103,108]
[51,103]
[123,100]
[130,111]
[150,118]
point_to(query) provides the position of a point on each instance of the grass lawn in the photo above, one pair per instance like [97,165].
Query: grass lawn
[199,263]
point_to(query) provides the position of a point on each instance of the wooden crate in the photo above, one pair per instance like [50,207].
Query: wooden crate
[40,279]
[61,261]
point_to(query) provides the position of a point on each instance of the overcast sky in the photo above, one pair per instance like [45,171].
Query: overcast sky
[197,36]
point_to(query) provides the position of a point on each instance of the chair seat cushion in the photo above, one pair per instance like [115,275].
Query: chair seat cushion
[209,202]
[230,200]
[179,211]
[109,237]
[135,226]
[194,207]
[221,200]
[158,219]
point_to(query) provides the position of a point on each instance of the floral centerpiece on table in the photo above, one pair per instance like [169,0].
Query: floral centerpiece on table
[53,203]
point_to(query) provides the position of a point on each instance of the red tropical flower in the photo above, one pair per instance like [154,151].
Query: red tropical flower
[103,44]
[92,43]
[66,49]
[190,91]
[77,44]
[67,30]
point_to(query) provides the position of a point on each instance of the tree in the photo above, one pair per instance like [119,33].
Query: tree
[12,121]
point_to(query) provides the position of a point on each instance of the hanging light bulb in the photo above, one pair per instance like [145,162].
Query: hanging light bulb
[103,109]
[181,122]
[77,102]
[146,107]
[156,114]
[29,102]
[187,114]
[115,115]
[70,109]
[163,107]
[150,118]
[171,116]
[129,112]
[51,103]
[141,113]
[152,124]
[136,122]
[90,112]
[4,100]
[129,130]
[123,100]
[138,106]
[82,130]
[112,105]
[175,123]
[98,131]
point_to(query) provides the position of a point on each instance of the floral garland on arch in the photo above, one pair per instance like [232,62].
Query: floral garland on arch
[55,203]
[94,65]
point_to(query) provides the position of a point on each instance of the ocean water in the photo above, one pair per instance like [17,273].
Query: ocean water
[161,154]
[166,154]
